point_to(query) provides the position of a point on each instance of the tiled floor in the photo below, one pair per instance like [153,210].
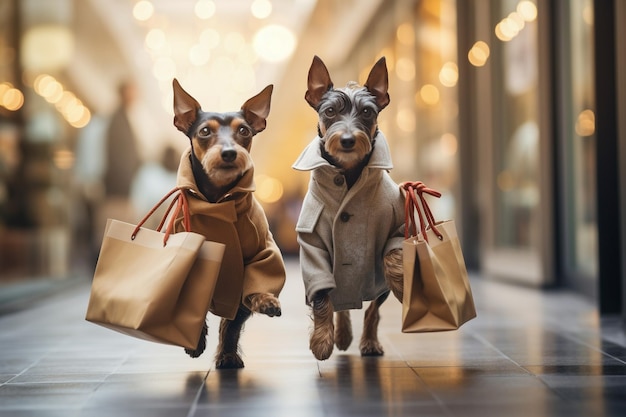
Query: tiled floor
[528,353]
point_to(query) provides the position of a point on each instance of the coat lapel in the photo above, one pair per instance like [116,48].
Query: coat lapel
[311,158]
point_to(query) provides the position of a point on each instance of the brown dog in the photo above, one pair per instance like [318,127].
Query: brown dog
[217,174]
[351,226]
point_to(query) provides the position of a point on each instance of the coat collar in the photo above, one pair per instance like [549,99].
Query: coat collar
[311,158]
[185,180]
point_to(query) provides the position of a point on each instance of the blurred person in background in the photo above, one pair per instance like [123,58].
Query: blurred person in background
[152,181]
[122,156]
[122,161]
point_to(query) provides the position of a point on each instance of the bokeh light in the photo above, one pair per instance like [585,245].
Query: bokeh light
[71,108]
[449,74]
[11,98]
[527,10]
[405,69]
[269,189]
[429,94]
[143,10]
[478,54]
[261,9]
[274,43]
[204,9]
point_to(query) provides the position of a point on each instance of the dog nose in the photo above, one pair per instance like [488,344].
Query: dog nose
[347,141]
[229,155]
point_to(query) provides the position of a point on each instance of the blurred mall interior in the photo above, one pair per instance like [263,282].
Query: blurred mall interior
[514,109]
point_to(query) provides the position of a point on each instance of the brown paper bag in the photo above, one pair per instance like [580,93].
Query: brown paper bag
[152,285]
[437,293]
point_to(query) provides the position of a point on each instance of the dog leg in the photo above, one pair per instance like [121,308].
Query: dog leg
[322,336]
[370,346]
[394,272]
[343,330]
[227,356]
[199,350]
[265,304]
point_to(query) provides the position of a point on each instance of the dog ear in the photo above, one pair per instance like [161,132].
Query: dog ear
[257,108]
[185,108]
[378,83]
[319,82]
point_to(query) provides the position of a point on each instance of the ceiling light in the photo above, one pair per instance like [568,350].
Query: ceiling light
[143,10]
[261,8]
[274,43]
[205,9]
[47,48]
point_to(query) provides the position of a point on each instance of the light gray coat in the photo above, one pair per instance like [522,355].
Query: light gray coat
[344,234]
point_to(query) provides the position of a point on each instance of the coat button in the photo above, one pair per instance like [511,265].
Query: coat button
[344,217]
[339,180]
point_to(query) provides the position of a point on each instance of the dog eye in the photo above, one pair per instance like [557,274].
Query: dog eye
[204,132]
[244,131]
[330,112]
[367,113]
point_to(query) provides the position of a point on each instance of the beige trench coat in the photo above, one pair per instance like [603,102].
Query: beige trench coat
[344,234]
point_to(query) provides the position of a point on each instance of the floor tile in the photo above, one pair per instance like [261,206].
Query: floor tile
[578,370]
[6,377]
[43,395]
[528,353]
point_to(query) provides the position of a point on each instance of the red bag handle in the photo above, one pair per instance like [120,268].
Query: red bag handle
[414,192]
[181,204]
[180,201]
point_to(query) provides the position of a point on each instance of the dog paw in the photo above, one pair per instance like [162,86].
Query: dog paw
[323,335]
[371,348]
[265,304]
[321,344]
[343,330]
[228,361]
[199,350]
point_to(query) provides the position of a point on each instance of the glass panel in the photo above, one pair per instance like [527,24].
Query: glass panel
[516,139]
[436,100]
[581,247]
[13,243]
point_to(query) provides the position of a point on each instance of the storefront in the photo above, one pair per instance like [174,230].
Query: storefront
[34,204]
[45,231]
[541,116]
